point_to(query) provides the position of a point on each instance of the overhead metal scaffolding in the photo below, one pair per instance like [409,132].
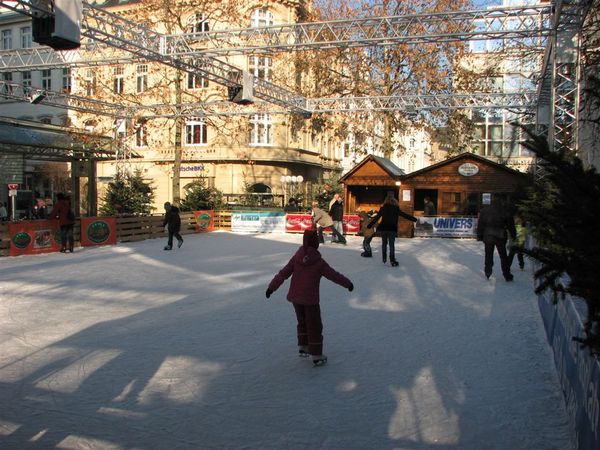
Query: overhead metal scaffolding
[556,25]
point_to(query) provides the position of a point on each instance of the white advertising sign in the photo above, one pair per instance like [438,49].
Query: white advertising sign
[258,222]
[458,227]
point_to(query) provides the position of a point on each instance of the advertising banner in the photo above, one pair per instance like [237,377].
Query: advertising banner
[351,223]
[33,237]
[258,222]
[297,223]
[457,227]
[205,220]
[98,231]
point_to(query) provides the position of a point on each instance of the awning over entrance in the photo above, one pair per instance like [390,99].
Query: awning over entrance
[39,141]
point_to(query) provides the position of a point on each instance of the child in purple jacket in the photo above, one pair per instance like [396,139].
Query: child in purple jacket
[306,268]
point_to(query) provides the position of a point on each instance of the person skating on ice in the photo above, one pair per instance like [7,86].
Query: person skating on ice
[306,268]
[368,233]
[389,213]
[173,223]
[494,226]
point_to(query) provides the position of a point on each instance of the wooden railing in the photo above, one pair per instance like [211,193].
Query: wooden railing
[137,228]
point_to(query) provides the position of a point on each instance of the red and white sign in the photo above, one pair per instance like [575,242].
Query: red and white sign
[13,186]
[297,223]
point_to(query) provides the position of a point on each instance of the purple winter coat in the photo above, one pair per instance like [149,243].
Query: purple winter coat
[306,268]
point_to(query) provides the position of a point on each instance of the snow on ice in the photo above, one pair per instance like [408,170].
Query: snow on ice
[132,347]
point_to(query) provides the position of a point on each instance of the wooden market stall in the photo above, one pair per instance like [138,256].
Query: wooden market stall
[458,187]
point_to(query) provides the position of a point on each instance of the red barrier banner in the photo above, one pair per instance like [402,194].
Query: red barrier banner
[98,231]
[351,223]
[205,220]
[32,237]
[297,223]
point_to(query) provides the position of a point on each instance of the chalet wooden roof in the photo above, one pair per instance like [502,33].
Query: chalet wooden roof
[393,171]
[467,156]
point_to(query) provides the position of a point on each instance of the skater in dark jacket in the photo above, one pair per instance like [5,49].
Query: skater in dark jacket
[306,268]
[389,213]
[494,225]
[173,223]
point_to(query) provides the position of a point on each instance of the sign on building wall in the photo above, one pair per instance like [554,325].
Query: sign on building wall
[453,227]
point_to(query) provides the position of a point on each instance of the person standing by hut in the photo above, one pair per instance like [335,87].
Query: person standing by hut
[323,220]
[336,211]
[66,220]
[389,213]
[429,207]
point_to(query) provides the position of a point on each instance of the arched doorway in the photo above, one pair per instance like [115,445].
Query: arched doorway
[262,192]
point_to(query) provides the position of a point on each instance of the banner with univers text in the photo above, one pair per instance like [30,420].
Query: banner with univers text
[257,222]
[98,231]
[456,227]
[32,237]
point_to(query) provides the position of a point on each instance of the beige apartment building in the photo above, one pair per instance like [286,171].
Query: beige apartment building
[236,154]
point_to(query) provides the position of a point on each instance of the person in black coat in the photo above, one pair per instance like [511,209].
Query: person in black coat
[173,223]
[336,211]
[493,227]
[389,213]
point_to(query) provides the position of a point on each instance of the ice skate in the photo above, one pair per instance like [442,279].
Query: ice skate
[167,247]
[366,254]
[179,243]
[303,351]
[319,360]
[394,263]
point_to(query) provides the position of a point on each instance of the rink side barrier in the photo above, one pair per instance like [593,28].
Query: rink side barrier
[112,230]
[578,371]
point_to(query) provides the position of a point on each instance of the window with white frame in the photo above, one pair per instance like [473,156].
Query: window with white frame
[47,79]
[142,78]
[89,82]
[141,134]
[260,129]
[6,39]
[26,78]
[118,79]
[260,67]
[26,41]
[66,80]
[261,18]
[196,132]
[198,23]
[196,81]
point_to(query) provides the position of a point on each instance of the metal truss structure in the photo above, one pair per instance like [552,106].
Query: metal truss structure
[522,101]
[558,25]
[511,23]
[193,54]
[558,89]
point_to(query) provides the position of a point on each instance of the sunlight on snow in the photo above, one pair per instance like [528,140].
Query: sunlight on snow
[180,380]
[347,386]
[71,377]
[420,414]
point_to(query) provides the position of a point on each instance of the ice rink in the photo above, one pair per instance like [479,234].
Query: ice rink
[133,347]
